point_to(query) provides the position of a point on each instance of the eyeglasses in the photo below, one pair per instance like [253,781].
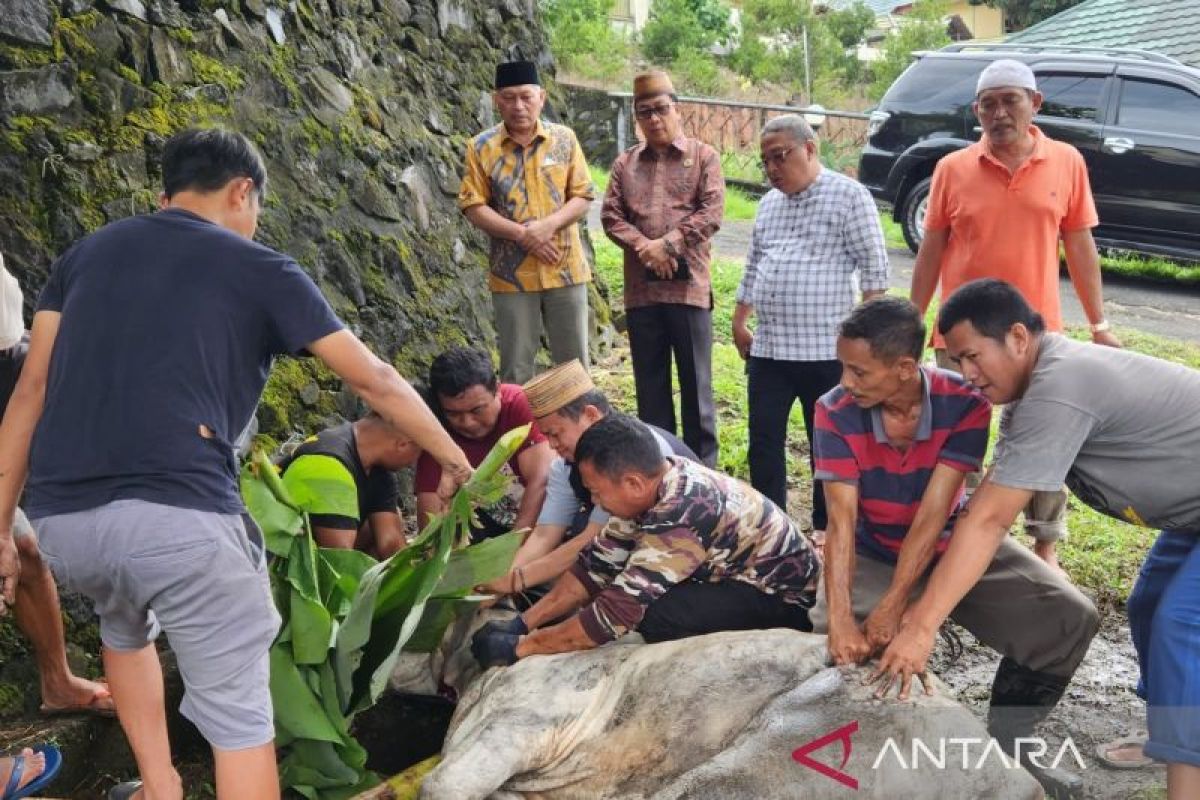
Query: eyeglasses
[646,112]
[776,158]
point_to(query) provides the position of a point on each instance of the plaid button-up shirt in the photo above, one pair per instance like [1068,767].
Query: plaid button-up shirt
[808,254]
[679,196]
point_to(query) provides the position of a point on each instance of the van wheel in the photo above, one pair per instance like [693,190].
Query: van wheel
[912,215]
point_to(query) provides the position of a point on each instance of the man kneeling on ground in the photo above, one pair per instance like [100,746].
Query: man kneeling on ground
[703,553]
[477,410]
[363,454]
[565,403]
[894,443]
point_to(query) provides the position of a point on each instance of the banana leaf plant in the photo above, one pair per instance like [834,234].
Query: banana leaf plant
[347,617]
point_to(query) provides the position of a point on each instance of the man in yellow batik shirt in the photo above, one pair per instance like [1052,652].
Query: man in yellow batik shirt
[525,185]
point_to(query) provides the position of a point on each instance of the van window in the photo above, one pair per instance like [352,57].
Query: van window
[1070,96]
[1160,107]
[935,84]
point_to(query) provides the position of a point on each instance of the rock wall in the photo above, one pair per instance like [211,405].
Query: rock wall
[361,109]
[592,114]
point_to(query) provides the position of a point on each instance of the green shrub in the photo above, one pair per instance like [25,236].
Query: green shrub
[696,73]
[679,27]
[583,39]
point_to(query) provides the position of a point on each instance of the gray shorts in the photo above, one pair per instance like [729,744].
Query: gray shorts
[198,576]
[21,526]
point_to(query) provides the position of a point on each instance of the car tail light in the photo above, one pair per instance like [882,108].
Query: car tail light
[875,122]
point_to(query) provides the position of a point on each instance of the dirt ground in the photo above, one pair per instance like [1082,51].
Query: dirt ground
[1100,704]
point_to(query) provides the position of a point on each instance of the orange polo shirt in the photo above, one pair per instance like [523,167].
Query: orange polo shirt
[1007,225]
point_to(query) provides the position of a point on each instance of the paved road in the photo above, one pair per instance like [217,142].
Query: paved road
[1161,310]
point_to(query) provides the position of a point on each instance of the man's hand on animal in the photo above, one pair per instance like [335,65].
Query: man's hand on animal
[847,644]
[882,624]
[907,657]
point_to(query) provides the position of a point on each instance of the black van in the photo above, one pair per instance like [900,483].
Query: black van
[1134,115]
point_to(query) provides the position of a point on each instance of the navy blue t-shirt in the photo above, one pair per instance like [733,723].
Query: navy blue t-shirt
[169,325]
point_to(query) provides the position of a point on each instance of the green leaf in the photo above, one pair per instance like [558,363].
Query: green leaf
[311,629]
[339,571]
[504,449]
[302,568]
[479,563]
[296,709]
[439,613]
[326,768]
[279,521]
[387,641]
[321,484]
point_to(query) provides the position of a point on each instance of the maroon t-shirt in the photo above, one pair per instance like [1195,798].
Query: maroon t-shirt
[514,412]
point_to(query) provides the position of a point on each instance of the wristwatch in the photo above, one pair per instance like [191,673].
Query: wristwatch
[1100,327]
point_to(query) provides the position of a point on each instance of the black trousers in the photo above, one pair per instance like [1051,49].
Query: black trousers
[694,608]
[656,334]
[774,386]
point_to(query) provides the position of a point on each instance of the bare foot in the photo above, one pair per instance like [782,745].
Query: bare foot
[77,695]
[35,765]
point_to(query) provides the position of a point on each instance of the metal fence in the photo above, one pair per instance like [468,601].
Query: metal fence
[732,128]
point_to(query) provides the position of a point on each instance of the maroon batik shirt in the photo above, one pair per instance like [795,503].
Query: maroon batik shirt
[680,195]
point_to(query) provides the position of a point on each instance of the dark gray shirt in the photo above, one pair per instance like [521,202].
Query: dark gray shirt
[1121,429]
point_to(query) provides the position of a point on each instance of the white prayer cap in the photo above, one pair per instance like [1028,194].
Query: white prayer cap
[12,324]
[1006,72]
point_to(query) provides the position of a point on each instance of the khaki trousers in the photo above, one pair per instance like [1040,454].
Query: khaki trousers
[1020,608]
[520,318]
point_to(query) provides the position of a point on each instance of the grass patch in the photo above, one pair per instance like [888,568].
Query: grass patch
[1102,554]
[1135,265]
[1112,262]
[893,235]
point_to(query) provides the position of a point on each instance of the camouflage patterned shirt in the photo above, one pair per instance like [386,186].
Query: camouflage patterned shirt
[705,527]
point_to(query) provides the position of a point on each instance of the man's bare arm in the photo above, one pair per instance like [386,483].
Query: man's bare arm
[846,643]
[23,412]
[382,388]
[565,637]
[493,223]
[535,468]
[1083,264]
[928,267]
[16,434]
[567,596]
[976,537]
[387,529]
[916,553]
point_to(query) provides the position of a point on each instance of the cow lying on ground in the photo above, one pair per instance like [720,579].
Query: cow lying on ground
[753,714]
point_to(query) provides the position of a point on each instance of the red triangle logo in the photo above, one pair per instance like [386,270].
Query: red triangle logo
[842,734]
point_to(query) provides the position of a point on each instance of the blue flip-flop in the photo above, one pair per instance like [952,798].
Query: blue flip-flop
[54,762]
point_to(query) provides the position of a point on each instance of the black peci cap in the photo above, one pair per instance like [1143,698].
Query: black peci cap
[516,73]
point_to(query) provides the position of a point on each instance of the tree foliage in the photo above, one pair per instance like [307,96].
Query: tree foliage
[1020,14]
[582,37]
[676,27]
[924,28]
[773,38]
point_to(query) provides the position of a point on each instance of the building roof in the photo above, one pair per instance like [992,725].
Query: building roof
[1170,27]
[878,6]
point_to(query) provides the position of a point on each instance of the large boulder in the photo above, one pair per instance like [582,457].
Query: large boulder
[749,714]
